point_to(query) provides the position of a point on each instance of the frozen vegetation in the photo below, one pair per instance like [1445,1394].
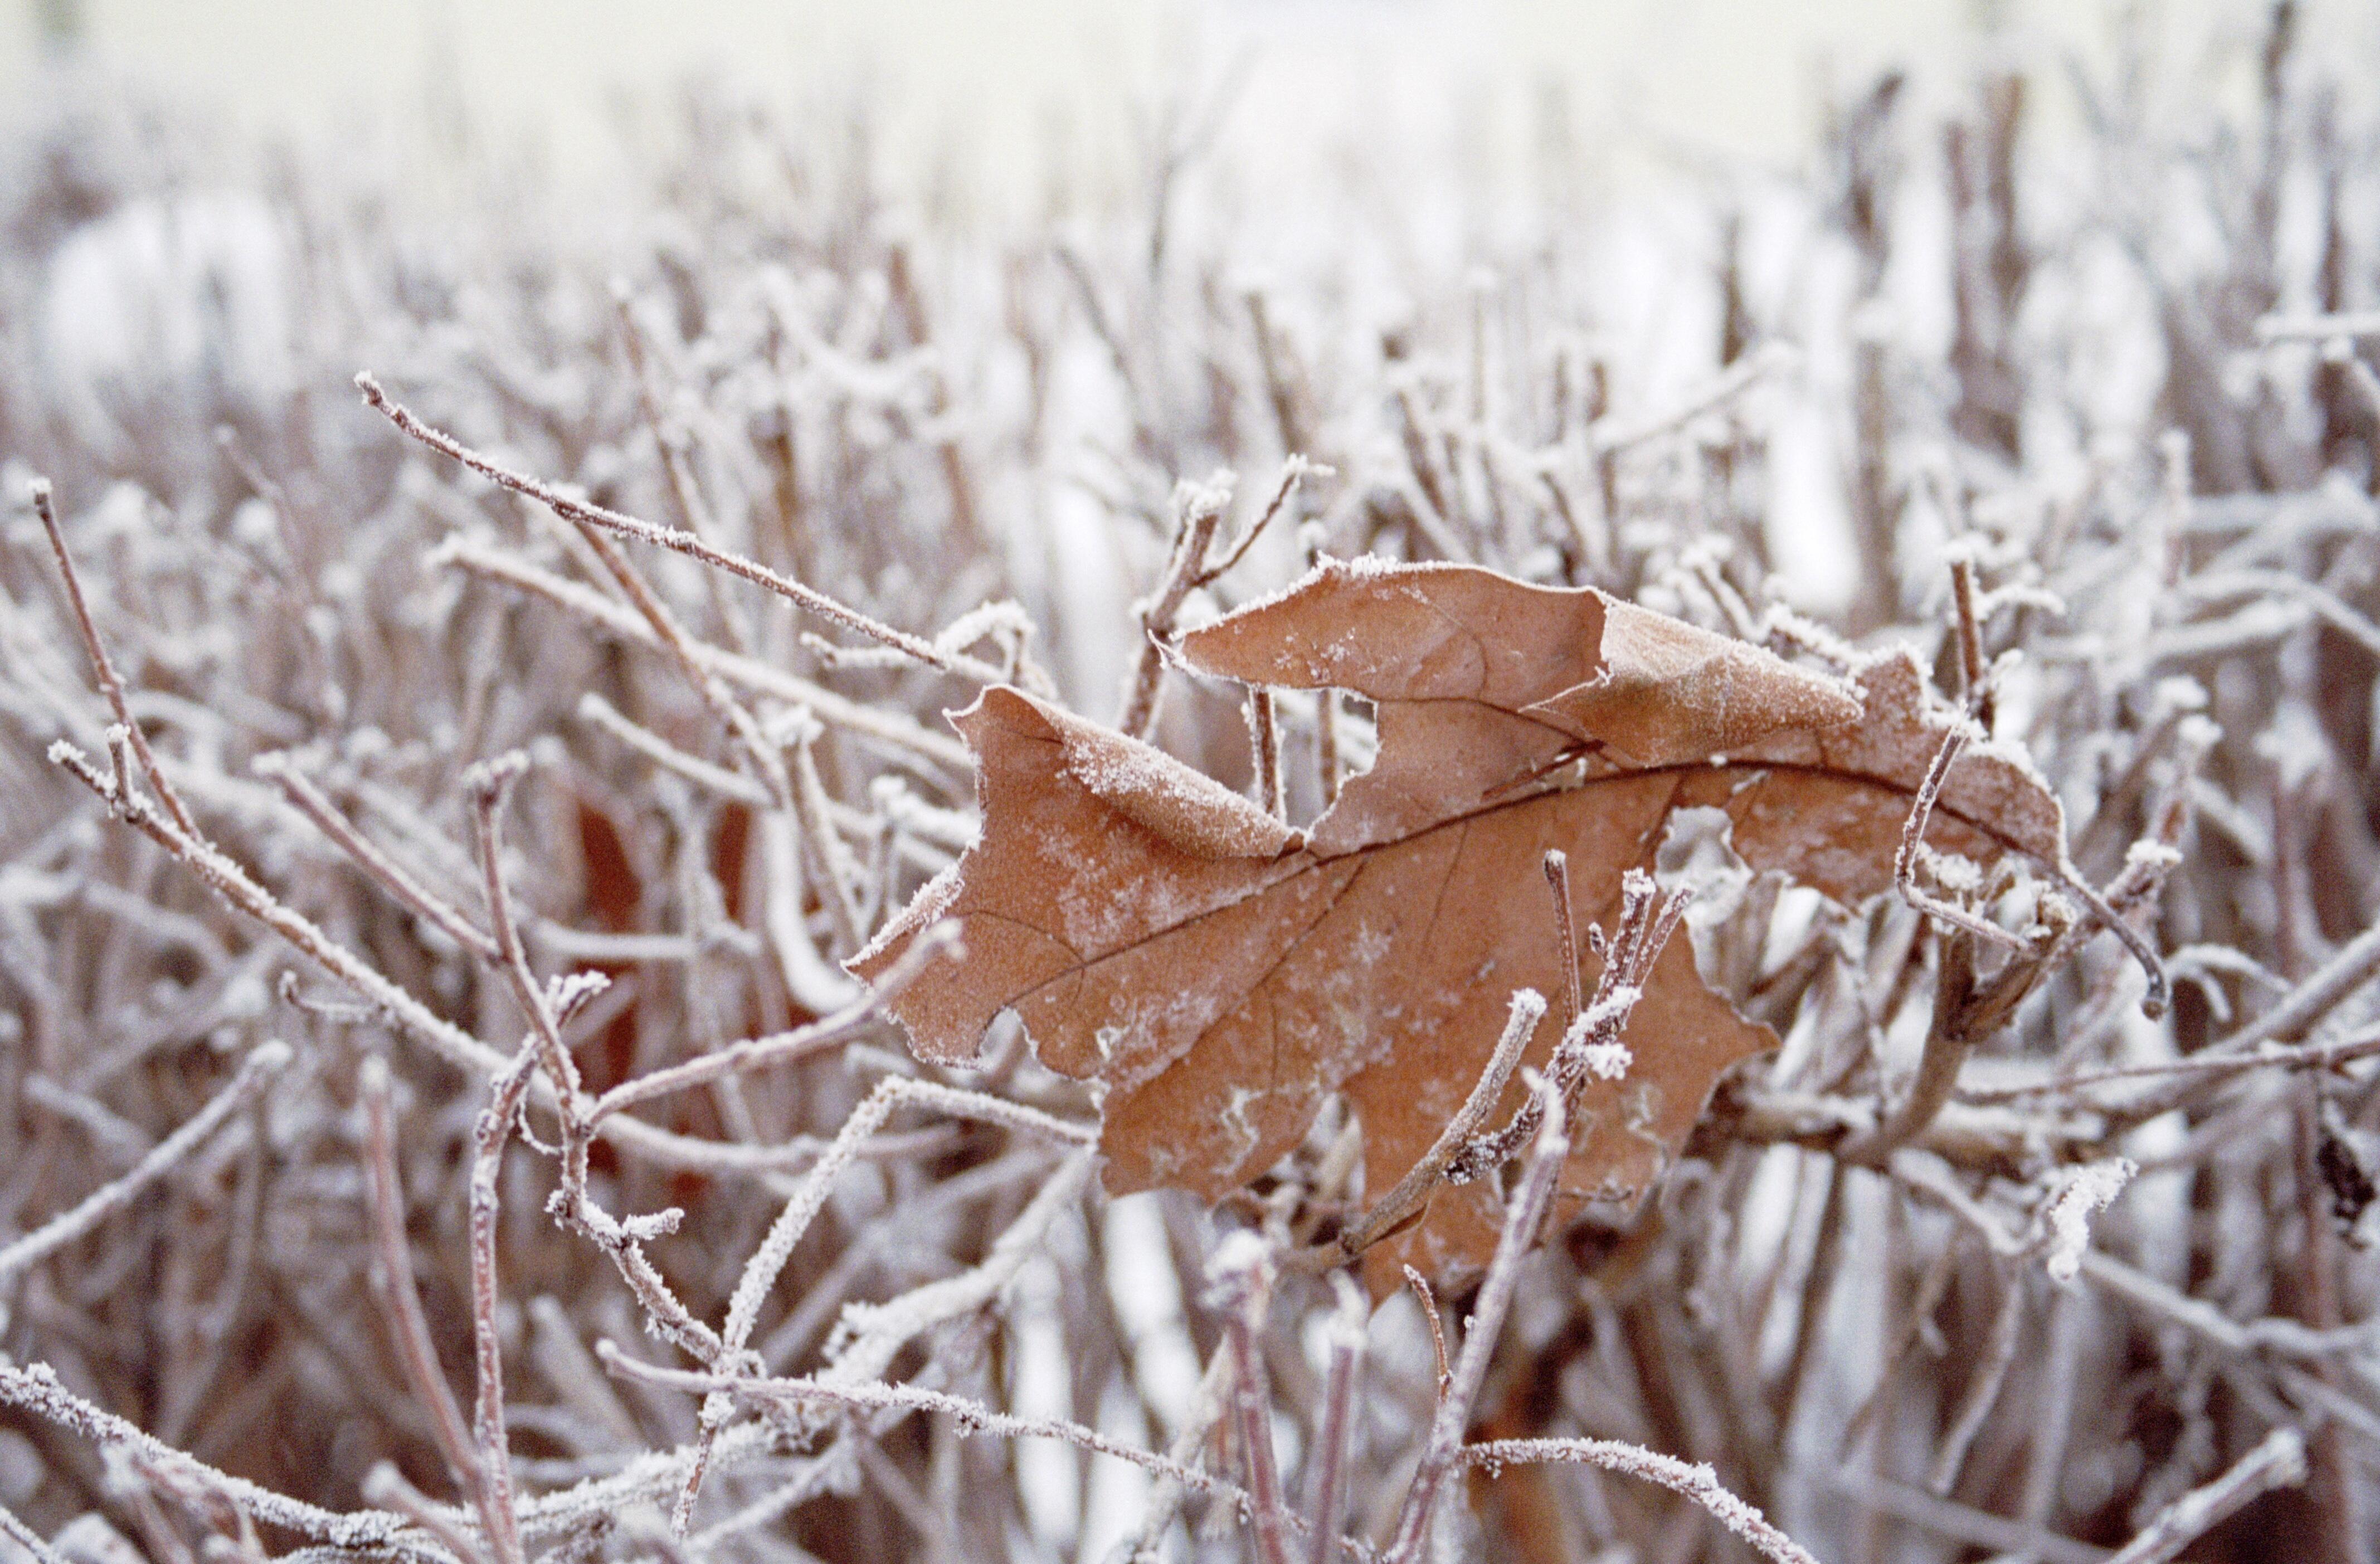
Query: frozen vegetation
[435,1119]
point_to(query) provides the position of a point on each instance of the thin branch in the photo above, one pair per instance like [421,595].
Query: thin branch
[972,1418]
[1242,1291]
[1294,472]
[578,511]
[1524,1217]
[2278,1462]
[892,728]
[311,801]
[1264,740]
[593,707]
[104,667]
[1696,1482]
[37,1389]
[494,1462]
[1975,669]
[1983,1391]
[1325,1501]
[1197,509]
[810,806]
[1557,868]
[937,943]
[394,1285]
[260,1067]
[1411,1192]
[1913,843]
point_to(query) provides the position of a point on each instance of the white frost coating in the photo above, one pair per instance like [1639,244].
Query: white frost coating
[2087,1191]
[1605,1060]
[1609,1061]
[810,976]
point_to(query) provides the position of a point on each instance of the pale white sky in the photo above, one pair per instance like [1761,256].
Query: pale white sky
[997,75]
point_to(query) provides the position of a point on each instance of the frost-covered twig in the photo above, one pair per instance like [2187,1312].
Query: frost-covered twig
[1406,1196]
[937,943]
[493,1460]
[1197,510]
[1524,1215]
[311,801]
[258,1069]
[111,685]
[972,1418]
[584,513]
[392,1276]
[1242,1291]
[1699,1483]
[2280,1461]
[1326,1492]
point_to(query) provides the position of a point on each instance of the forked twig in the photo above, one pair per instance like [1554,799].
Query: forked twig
[1524,1215]
[102,667]
[1197,509]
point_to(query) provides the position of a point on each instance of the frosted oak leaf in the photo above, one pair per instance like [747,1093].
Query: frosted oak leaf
[1222,975]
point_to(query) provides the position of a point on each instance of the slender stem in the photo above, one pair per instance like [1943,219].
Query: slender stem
[1264,739]
[1522,1218]
[1409,1194]
[1242,1268]
[311,801]
[102,667]
[1557,868]
[1975,672]
[2280,1461]
[675,539]
[495,1486]
[1984,1389]
[891,728]
[1695,1482]
[1198,508]
[393,1274]
[1327,1493]
[972,1417]
[1294,472]
[266,1061]
[937,943]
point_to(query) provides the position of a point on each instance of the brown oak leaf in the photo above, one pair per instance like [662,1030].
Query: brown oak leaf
[1222,975]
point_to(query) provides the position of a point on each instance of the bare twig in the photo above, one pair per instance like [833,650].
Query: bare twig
[1242,1268]
[2278,1462]
[494,1461]
[301,791]
[972,1418]
[1697,1483]
[1524,1215]
[1326,1492]
[1408,1195]
[937,943]
[1197,510]
[258,1069]
[393,1276]
[585,515]
[1264,740]
[102,667]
